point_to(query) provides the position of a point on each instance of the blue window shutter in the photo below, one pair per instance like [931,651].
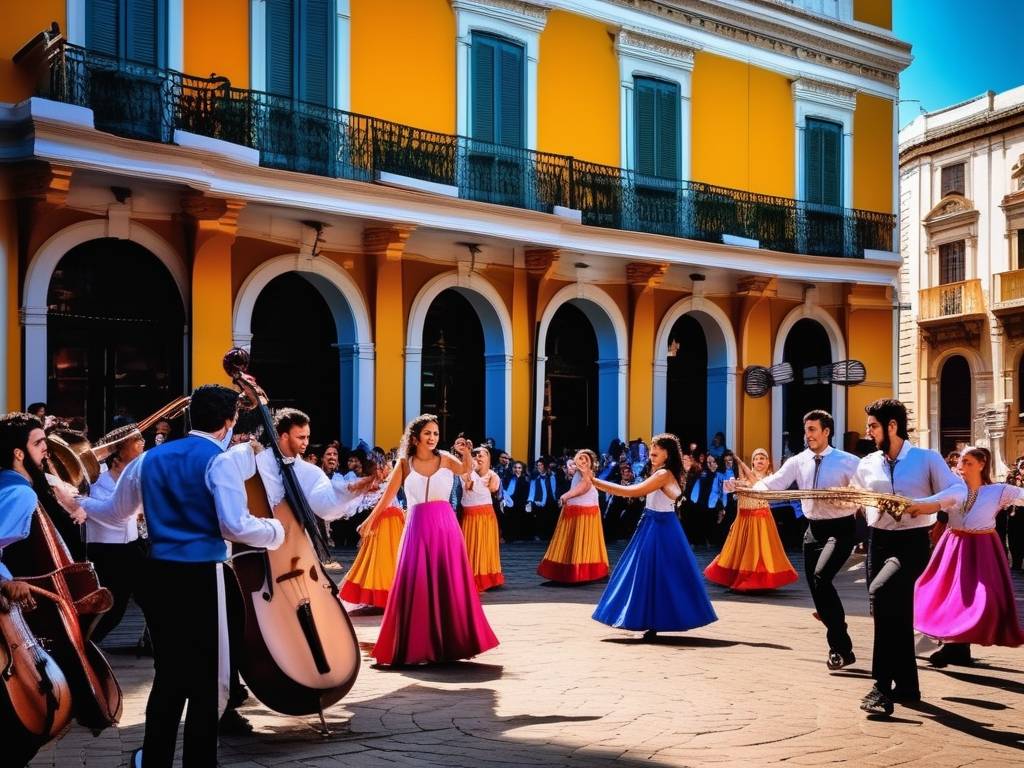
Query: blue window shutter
[511,109]
[145,31]
[668,131]
[280,47]
[823,162]
[482,89]
[656,127]
[644,120]
[315,51]
[102,26]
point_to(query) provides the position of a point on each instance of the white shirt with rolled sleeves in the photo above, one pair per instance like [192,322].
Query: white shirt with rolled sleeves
[226,484]
[328,501]
[100,532]
[918,474]
[837,469]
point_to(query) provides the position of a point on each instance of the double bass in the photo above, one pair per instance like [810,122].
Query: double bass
[300,651]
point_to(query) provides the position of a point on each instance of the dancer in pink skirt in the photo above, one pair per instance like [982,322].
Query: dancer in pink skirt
[965,594]
[433,611]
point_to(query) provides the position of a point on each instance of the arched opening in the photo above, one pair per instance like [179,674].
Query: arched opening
[954,404]
[571,389]
[686,397]
[807,348]
[452,373]
[115,341]
[295,353]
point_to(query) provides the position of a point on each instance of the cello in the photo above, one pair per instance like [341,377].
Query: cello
[300,651]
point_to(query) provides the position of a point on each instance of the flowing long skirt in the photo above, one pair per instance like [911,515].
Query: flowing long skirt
[369,579]
[433,611]
[965,594]
[752,557]
[480,529]
[656,583]
[577,552]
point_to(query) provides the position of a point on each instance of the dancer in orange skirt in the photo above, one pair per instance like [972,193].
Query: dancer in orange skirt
[479,523]
[369,579]
[577,552]
[752,557]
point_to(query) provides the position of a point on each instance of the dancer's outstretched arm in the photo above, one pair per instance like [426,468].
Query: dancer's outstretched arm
[395,481]
[659,479]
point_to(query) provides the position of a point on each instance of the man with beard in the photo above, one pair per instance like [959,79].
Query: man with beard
[195,499]
[898,550]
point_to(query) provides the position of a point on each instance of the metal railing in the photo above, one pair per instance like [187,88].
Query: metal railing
[952,300]
[145,102]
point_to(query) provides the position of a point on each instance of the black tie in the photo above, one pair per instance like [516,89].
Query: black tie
[817,469]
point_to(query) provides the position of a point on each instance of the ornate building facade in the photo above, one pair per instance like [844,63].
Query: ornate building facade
[553,223]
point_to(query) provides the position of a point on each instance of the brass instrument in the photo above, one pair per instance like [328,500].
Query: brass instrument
[77,462]
[886,503]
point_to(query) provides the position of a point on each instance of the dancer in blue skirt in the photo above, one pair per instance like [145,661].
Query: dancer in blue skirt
[656,585]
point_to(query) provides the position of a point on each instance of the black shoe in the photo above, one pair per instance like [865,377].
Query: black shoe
[837,660]
[233,724]
[951,653]
[877,702]
[906,697]
[239,695]
[650,636]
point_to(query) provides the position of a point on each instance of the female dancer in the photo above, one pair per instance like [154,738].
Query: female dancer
[433,611]
[480,524]
[752,557]
[577,553]
[965,594]
[369,579]
[656,585]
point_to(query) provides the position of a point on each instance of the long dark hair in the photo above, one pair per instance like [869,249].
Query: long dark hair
[412,435]
[674,460]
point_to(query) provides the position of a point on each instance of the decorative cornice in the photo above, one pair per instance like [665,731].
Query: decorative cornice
[540,260]
[212,212]
[674,52]
[949,207]
[825,92]
[757,285]
[44,183]
[387,242]
[646,274]
[774,35]
[533,15]
[963,132]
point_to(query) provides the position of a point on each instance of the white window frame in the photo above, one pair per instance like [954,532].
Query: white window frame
[672,61]
[342,50]
[75,33]
[824,101]
[522,26]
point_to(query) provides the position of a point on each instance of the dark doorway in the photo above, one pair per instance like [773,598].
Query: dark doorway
[954,404]
[807,347]
[452,383]
[295,354]
[686,406]
[569,419]
[115,335]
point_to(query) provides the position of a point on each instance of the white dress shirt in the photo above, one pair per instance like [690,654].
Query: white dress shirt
[99,532]
[327,500]
[836,470]
[224,481]
[918,474]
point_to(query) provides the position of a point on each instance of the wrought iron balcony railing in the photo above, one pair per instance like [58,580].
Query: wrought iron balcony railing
[952,301]
[145,102]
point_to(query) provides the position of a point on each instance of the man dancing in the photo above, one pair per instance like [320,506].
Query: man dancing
[898,550]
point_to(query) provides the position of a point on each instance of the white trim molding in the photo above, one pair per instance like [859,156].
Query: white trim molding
[722,354]
[613,357]
[352,319]
[671,60]
[826,101]
[75,32]
[515,20]
[496,324]
[808,311]
[45,261]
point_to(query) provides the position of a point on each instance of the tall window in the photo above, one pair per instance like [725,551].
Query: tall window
[953,179]
[300,50]
[657,128]
[1020,249]
[128,29]
[951,262]
[823,162]
[497,91]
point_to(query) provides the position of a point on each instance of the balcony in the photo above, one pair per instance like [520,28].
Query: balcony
[1008,301]
[952,312]
[148,103]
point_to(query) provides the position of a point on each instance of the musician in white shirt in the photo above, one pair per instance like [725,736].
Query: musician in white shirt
[898,550]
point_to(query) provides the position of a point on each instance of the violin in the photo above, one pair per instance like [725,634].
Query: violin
[300,653]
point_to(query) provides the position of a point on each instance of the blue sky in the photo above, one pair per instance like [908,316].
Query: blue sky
[960,50]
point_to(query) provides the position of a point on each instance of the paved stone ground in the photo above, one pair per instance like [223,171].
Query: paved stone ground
[750,690]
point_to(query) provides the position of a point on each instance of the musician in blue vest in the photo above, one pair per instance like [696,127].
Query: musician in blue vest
[194,497]
[542,502]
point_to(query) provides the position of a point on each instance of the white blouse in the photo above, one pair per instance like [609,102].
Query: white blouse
[588,499]
[659,501]
[477,494]
[420,488]
[982,514]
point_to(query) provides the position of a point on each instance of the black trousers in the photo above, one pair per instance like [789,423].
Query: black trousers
[119,567]
[827,547]
[895,560]
[1015,536]
[182,612]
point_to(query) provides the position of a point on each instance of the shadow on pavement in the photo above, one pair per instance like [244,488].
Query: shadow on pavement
[967,726]
[692,642]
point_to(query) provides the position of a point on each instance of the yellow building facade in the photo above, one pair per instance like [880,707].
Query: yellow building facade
[554,224]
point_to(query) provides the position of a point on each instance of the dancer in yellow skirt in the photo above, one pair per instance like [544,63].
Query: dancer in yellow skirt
[479,523]
[369,579]
[577,552]
[752,557]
